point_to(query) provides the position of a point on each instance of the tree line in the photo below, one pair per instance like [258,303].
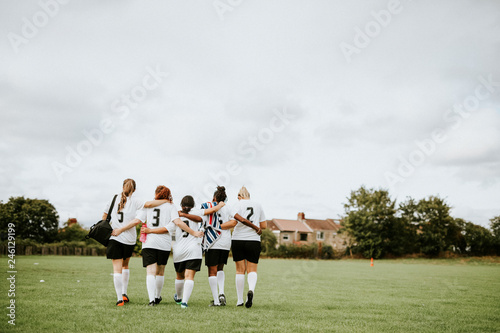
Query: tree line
[378,227]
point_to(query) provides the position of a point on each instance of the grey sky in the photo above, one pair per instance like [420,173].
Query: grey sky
[351,120]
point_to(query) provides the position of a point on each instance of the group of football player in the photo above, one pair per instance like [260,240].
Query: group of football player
[197,231]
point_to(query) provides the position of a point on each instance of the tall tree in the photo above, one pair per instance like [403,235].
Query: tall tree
[433,215]
[370,218]
[33,218]
[495,230]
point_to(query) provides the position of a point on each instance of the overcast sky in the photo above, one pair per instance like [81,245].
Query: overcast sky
[300,101]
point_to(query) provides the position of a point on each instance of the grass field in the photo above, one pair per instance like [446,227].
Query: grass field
[291,295]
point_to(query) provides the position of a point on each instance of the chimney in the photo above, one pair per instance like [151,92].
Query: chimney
[301,216]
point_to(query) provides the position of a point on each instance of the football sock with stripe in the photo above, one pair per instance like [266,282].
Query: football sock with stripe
[220,281]
[125,275]
[179,288]
[212,280]
[151,285]
[240,286]
[188,289]
[159,285]
[118,281]
[252,280]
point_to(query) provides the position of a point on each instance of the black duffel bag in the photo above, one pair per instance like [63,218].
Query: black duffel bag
[101,231]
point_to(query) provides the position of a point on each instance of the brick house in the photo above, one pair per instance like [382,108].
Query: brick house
[308,231]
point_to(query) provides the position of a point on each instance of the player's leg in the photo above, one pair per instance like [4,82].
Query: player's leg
[211,261]
[221,276]
[188,286]
[125,279]
[240,280]
[160,272]
[239,260]
[253,253]
[118,280]
[151,282]
[179,286]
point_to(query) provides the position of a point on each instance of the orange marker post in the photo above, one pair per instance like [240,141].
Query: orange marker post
[371,263]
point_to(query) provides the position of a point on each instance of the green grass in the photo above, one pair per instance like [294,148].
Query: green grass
[292,295]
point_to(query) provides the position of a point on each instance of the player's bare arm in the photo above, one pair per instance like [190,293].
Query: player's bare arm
[248,223]
[187,229]
[155,203]
[132,224]
[192,217]
[146,230]
[214,209]
[228,225]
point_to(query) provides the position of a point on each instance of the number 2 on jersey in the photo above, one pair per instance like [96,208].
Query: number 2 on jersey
[156,217]
[250,214]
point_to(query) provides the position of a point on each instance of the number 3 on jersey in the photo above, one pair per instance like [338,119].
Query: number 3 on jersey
[185,233]
[156,218]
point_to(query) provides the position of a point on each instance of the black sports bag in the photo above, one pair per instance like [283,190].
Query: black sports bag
[101,231]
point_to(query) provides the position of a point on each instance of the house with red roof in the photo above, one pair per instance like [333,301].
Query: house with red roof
[308,231]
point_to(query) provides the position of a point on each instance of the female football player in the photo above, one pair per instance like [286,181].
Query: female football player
[156,248]
[187,249]
[246,244]
[120,247]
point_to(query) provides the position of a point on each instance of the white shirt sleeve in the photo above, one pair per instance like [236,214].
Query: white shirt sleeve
[141,215]
[262,215]
[174,214]
[197,211]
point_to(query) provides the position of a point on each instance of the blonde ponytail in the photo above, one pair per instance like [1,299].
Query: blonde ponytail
[128,189]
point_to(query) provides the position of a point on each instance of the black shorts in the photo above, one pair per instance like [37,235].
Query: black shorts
[193,264]
[154,256]
[216,257]
[117,250]
[248,250]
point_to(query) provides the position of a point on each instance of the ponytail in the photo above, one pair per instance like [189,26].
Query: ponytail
[128,189]
[187,203]
[220,194]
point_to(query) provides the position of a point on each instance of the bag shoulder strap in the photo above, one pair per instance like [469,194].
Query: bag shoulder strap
[108,218]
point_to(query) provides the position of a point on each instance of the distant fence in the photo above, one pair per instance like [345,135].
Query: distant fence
[54,250]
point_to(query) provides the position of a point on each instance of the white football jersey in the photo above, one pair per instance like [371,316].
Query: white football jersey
[224,242]
[122,218]
[188,247]
[159,217]
[252,211]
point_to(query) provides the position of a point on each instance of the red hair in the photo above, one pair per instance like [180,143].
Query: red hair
[163,192]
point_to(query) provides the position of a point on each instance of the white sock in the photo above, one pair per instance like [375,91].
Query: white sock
[179,287]
[125,275]
[240,286]
[252,280]
[212,280]
[188,289]
[118,280]
[220,281]
[151,285]
[159,285]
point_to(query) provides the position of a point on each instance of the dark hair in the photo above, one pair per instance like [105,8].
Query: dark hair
[220,194]
[187,203]
[163,192]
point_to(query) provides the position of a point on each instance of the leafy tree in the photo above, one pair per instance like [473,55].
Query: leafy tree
[34,219]
[268,240]
[479,239]
[370,219]
[434,221]
[73,233]
[495,230]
